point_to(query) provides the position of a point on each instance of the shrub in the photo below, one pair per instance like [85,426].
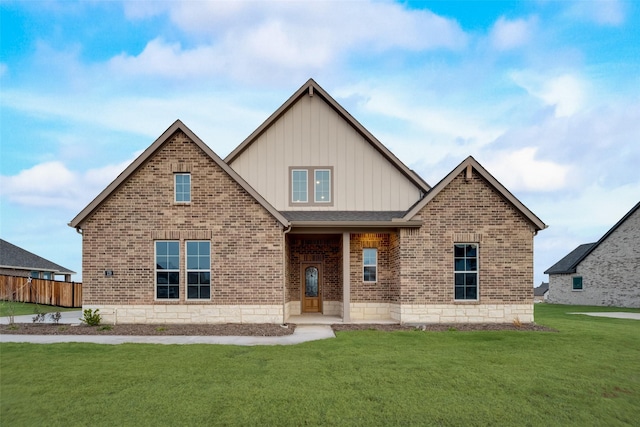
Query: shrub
[55,317]
[91,317]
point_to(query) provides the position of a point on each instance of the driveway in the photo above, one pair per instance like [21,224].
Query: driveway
[614,314]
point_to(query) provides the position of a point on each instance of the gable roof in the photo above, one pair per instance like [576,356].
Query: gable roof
[14,257]
[569,263]
[149,152]
[541,290]
[312,88]
[470,162]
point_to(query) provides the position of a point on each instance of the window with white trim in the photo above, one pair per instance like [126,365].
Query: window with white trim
[310,186]
[466,271]
[198,269]
[167,254]
[182,187]
[299,186]
[322,189]
[370,264]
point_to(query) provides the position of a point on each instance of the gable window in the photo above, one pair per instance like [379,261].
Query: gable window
[198,270]
[167,269]
[577,283]
[466,271]
[369,264]
[311,186]
[299,186]
[182,187]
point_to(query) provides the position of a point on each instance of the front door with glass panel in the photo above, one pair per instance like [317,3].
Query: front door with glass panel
[311,275]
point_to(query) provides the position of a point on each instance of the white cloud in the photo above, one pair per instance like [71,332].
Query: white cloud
[519,170]
[568,93]
[601,12]
[510,34]
[247,40]
[54,185]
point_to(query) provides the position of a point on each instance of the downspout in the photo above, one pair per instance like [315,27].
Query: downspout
[284,274]
[79,230]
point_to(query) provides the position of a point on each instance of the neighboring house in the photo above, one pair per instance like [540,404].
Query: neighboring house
[310,214]
[604,273]
[15,261]
[541,293]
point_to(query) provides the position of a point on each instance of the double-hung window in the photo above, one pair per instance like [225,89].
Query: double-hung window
[167,270]
[466,271]
[182,187]
[198,270]
[370,264]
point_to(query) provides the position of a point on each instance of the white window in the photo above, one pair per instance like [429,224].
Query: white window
[311,186]
[182,187]
[167,270]
[466,271]
[322,190]
[369,264]
[198,270]
[299,186]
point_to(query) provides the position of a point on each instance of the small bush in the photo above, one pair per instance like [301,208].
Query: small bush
[517,322]
[91,317]
[39,317]
[55,317]
[105,328]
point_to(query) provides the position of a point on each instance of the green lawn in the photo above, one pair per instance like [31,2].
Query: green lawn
[586,374]
[8,308]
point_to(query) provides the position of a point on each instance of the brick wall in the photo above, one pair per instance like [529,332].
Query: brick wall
[326,250]
[468,211]
[246,241]
[381,290]
[610,274]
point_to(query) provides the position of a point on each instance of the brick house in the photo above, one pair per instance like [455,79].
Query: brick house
[602,273]
[310,214]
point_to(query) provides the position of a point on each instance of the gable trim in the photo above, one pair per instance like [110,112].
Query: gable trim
[149,152]
[311,88]
[468,163]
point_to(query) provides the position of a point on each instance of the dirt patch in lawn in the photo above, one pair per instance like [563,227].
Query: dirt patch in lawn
[233,329]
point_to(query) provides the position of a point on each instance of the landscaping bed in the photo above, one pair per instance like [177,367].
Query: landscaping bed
[232,329]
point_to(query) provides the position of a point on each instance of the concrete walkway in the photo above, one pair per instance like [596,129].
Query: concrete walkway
[303,333]
[613,314]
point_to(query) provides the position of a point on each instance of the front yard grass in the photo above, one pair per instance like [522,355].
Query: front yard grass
[586,374]
[16,308]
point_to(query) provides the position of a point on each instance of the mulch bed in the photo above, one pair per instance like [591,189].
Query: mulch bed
[232,329]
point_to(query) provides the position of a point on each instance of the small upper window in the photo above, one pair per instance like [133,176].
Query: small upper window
[577,283]
[182,187]
[370,264]
[322,186]
[299,179]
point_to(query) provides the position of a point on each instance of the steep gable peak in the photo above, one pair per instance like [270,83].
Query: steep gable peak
[312,89]
[177,126]
[467,167]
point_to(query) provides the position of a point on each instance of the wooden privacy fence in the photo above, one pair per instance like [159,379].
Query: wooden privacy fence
[41,291]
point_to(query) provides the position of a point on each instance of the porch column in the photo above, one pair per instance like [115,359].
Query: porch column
[346,277]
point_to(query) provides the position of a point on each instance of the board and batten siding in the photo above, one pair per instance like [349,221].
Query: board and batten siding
[312,134]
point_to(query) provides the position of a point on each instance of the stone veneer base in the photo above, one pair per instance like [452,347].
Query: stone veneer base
[215,314]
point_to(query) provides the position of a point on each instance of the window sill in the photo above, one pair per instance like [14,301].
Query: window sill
[466,301]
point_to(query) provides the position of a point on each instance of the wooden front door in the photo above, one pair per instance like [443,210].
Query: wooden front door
[311,274]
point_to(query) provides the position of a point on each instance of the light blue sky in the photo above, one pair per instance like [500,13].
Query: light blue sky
[544,94]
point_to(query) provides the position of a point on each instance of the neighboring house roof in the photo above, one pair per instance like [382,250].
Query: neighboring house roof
[541,290]
[569,263]
[468,164]
[314,89]
[14,257]
[176,126]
